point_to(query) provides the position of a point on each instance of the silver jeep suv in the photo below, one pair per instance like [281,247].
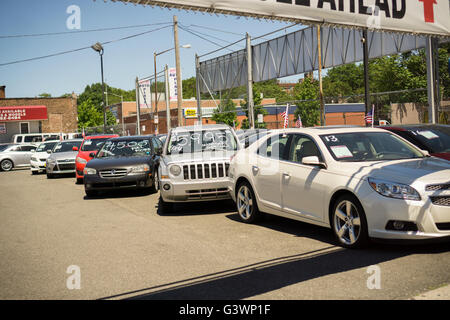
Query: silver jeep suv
[194,165]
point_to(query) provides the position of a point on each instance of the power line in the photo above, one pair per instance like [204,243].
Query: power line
[218,30]
[208,35]
[80,49]
[81,31]
[201,37]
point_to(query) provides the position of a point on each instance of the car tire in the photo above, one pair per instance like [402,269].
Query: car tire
[6,165]
[165,207]
[155,182]
[91,193]
[34,172]
[50,176]
[79,181]
[348,222]
[246,203]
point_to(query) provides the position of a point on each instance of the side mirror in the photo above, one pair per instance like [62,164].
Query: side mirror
[49,151]
[75,148]
[426,153]
[158,151]
[92,155]
[313,161]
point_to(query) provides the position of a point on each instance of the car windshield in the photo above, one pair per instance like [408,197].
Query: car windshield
[66,146]
[93,144]
[199,141]
[125,148]
[368,146]
[43,147]
[437,139]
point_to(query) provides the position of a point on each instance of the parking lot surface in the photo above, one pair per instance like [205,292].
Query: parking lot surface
[125,248]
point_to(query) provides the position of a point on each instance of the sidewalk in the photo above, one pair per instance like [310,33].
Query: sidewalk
[442,293]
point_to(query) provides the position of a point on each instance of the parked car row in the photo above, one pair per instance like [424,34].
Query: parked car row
[362,183]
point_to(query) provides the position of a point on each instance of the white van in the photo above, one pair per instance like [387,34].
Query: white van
[37,138]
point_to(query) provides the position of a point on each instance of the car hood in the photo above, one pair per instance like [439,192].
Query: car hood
[85,154]
[41,155]
[117,162]
[198,157]
[63,155]
[427,170]
[442,155]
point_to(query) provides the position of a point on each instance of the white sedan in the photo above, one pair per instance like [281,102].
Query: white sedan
[361,182]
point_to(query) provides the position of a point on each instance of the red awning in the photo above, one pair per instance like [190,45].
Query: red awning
[23,113]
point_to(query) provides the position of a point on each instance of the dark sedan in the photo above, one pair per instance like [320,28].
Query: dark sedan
[434,138]
[125,162]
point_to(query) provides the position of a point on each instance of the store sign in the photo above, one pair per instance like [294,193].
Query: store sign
[3,128]
[190,113]
[173,87]
[145,94]
[414,16]
[22,113]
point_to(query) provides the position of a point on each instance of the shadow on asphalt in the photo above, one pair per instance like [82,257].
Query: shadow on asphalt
[266,276]
[198,208]
[120,193]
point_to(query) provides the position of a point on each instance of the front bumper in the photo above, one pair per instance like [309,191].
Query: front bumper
[79,170]
[432,220]
[192,191]
[60,167]
[132,180]
[37,165]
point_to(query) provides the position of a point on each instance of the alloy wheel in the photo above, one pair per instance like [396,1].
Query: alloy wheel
[245,202]
[6,165]
[347,222]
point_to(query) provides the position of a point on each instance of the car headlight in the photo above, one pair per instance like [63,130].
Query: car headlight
[140,169]
[34,159]
[394,190]
[89,171]
[81,160]
[175,170]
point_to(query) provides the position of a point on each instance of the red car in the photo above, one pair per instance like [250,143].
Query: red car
[90,144]
[434,138]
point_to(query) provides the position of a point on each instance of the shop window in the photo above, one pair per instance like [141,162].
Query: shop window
[24,127]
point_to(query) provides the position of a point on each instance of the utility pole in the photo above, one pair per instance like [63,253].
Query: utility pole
[166,76]
[138,109]
[156,95]
[319,49]
[197,88]
[431,80]
[251,116]
[178,67]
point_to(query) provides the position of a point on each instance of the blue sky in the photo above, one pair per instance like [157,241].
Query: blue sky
[123,60]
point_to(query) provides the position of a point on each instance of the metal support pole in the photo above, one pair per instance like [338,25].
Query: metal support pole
[365,42]
[197,89]
[251,116]
[431,81]
[322,103]
[138,109]
[166,76]
[178,66]
[103,93]
[156,97]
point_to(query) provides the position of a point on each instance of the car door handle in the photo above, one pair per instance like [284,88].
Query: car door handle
[286,175]
[255,169]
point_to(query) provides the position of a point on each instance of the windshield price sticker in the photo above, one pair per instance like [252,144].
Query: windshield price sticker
[206,141]
[428,134]
[331,139]
[88,142]
[341,152]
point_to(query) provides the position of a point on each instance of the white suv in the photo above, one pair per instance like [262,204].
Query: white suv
[195,163]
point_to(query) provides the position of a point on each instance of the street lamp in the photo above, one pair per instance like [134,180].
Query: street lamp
[99,48]
[185,46]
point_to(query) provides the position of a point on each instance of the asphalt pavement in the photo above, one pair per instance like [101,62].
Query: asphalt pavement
[121,247]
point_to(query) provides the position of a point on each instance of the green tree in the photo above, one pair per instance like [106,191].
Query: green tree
[309,111]
[189,88]
[257,109]
[226,113]
[45,95]
[90,116]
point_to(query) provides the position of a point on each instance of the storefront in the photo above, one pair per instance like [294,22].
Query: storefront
[21,120]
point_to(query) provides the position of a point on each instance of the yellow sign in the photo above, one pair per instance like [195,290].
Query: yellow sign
[190,113]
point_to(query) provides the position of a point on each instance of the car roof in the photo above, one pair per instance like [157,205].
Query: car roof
[101,136]
[327,130]
[132,137]
[415,126]
[71,140]
[202,127]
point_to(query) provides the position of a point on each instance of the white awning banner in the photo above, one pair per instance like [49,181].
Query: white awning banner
[412,16]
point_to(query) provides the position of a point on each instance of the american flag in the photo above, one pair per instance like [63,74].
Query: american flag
[299,123]
[369,117]
[285,116]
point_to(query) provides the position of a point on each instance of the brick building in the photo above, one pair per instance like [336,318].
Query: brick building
[36,115]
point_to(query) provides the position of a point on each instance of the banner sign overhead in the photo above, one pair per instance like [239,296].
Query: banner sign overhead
[145,94]
[412,16]
[23,113]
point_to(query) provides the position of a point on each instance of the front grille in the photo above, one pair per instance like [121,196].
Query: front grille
[437,187]
[443,226]
[441,201]
[113,173]
[42,160]
[66,166]
[205,171]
